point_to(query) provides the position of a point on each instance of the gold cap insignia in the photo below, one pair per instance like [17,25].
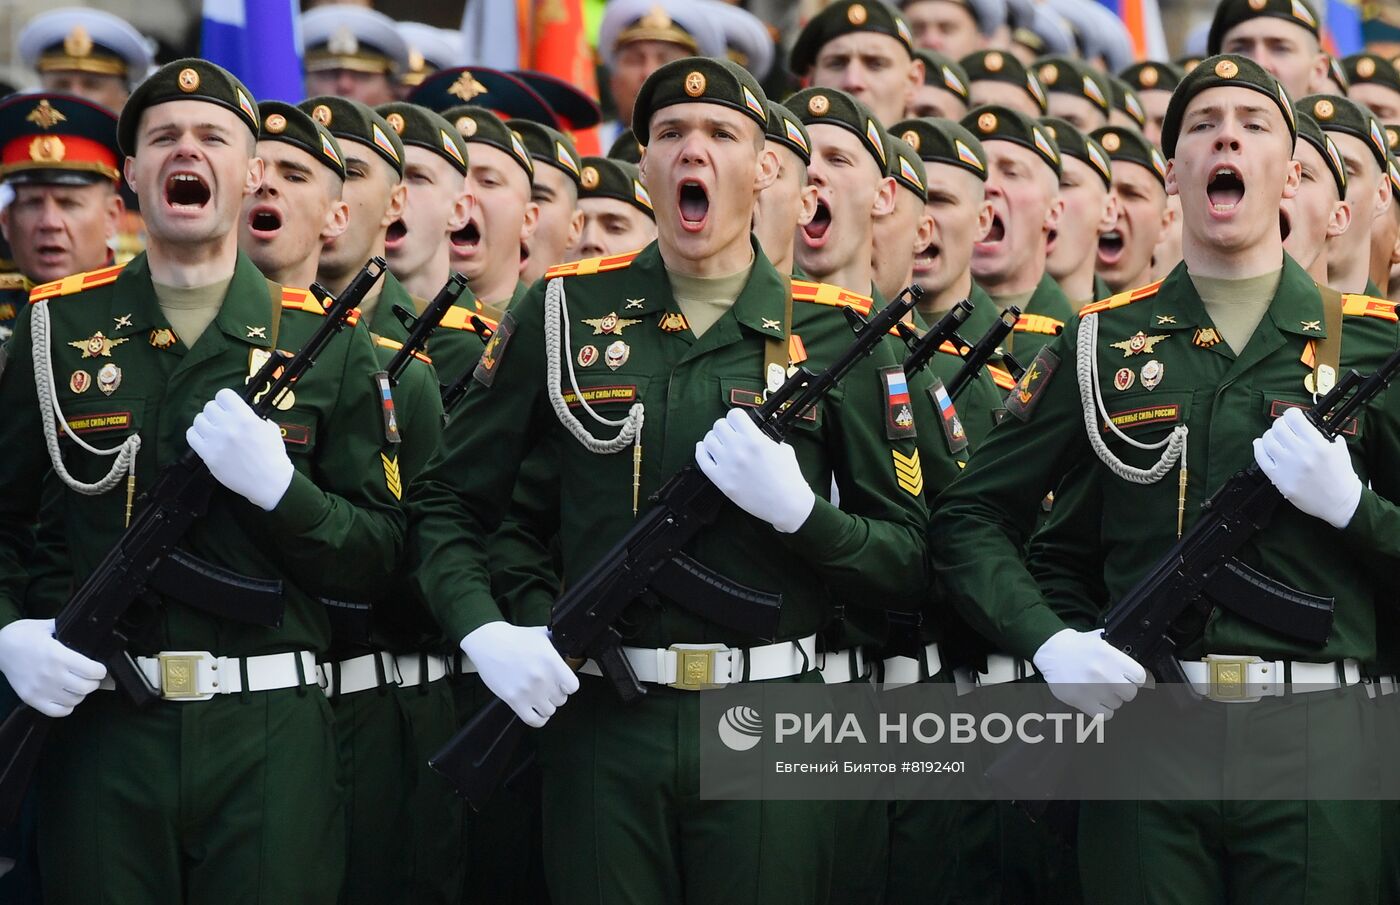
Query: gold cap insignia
[77,43]
[1148,76]
[45,116]
[1323,109]
[275,123]
[987,122]
[589,178]
[911,138]
[466,87]
[396,122]
[1366,67]
[466,126]
[818,105]
[695,84]
[322,114]
[857,15]
[1050,130]
[993,62]
[1049,74]
[1227,69]
[47,149]
[343,42]
[1257,5]
[188,80]
[1111,142]
[656,17]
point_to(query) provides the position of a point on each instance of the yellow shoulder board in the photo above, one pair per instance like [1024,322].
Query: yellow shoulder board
[591,265]
[827,294]
[75,283]
[1368,306]
[385,342]
[459,318]
[1002,377]
[1039,323]
[11,281]
[302,300]
[1122,298]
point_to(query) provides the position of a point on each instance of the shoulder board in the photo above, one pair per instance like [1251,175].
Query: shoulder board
[1122,298]
[459,318]
[1003,378]
[11,281]
[75,283]
[1367,306]
[303,300]
[385,342]
[1039,323]
[827,294]
[591,265]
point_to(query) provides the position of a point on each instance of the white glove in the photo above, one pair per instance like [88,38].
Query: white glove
[522,668]
[760,476]
[1311,473]
[244,452]
[1087,673]
[47,676]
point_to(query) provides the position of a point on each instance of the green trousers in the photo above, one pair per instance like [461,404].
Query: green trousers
[432,857]
[624,823]
[373,743]
[232,800]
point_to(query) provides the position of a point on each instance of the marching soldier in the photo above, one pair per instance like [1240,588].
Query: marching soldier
[1127,110]
[864,48]
[790,202]
[1154,83]
[773,851]
[997,78]
[1385,232]
[306,500]
[954,27]
[1086,187]
[906,228]
[1074,92]
[616,209]
[1124,256]
[353,52]
[1319,211]
[1375,84]
[944,91]
[1202,353]
[555,192]
[86,52]
[1280,35]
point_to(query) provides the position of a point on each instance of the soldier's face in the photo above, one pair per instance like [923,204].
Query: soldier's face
[1368,190]
[1079,111]
[898,235]
[502,219]
[785,206]
[369,88]
[1233,166]
[58,230]
[1315,211]
[703,167]
[1125,251]
[371,190]
[851,191]
[874,68]
[1024,194]
[192,169]
[294,210]
[611,227]
[433,209]
[1383,101]
[108,90]
[947,28]
[1089,211]
[959,216]
[632,63]
[986,91]
[559,222]
[930,100]
[1287,51]
[1154,104]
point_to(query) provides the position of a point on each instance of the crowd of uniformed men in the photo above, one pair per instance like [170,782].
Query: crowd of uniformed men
[1197,247]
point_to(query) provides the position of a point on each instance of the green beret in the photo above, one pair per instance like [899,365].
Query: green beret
[1073,143]
[548,146]
[1371,69]
[1311,132]
[999,66]
[1337,74]
[186,80]
[481,126]
[616,179]
[1232,12]
[351,120]
[833,107]
[1346,117]
[1226,70]
[1125,145]
[842,18]
[422,127]
[907,168]
[626,148]
[1392,137]
[943,72]
[1125,98]
[698,80]
[997,123]
[1187,63]
[788,131]
[1067,75]
[1153,76]
[289,125]
[943,141]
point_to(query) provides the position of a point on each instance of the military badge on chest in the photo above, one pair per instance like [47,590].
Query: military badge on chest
[96,345]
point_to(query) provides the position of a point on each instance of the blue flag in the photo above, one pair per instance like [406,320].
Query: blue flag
[260,42]
[1344,27]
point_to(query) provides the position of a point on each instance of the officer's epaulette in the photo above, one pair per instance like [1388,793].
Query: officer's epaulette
[459,318]
[302,300]
[1122,298]
[75,283]
[827,294]
[591,265]
[1368,306]
[1001,376]
[11,281]
[387,343]
[1039,323]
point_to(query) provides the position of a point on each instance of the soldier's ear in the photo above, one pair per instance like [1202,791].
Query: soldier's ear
[766,172]
[1340,222]
[1293,177]
[885,197]
[531,221]
[256,171]
[984,220]
[114,208]
[808,197]
[923,234]
[337,221]
[1110,213]
[398,200]
[1384,200]
[915,80]
[1171,176]
[128,168]
[575,228]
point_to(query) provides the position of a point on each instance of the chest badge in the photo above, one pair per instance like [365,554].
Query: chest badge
[635,303]
[588,355]
[1152,374]
[610,324]
[162,338]
[1206,337]
[96,345]
[123,320]
[673,322]
[109,377]
[1124,379]
[617,354]
[1140,342]
[79,382]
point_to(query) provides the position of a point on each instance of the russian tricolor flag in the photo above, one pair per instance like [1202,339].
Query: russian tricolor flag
[899,389]
[260,42]
[1341,28]
[1143,19]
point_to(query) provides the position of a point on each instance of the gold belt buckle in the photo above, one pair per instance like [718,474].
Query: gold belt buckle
[695,666]
[1229,678]
[179,676]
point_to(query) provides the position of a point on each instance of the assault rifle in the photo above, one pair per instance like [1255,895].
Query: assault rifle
[97,621]
[421,326]
[649,556]
[453,392]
